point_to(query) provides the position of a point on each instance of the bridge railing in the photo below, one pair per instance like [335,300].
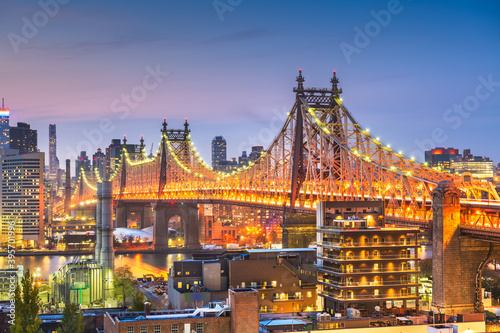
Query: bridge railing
[367,244]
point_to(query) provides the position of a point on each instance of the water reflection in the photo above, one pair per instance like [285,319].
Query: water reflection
[157,264]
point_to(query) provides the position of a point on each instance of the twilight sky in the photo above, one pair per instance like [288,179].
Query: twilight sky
[416,73]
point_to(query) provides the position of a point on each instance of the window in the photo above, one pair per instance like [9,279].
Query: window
[273,283]
[375,292]
[375,253]
[375,267]
[263,296]
[349,268]
[243,285]
[130,329]
[144,329]
[179,285]
[375,240]
[157,329]
[174,328]
[199,327]
[298,295]
[309,294]
[253,284]
[187,273]
[404,292]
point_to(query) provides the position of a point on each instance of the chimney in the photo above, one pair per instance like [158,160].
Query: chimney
[98,225]
[107,251]
[147,308]
[67,189]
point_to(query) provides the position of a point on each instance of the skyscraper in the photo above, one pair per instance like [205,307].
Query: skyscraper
[219,148]
[81,162]
[23,138]
[99,163]
[22,196]
[53,161]
[4,126]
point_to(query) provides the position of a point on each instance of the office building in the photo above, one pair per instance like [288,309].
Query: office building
[53,161]
[113,154]
[256,153]
[219,148]
[243,159]
[441,157]
[362,266]
[23,138]
[480,167]
[22,196]
[99,163]
[81,162]
[4,126]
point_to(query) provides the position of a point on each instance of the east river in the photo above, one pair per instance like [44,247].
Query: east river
[156,264]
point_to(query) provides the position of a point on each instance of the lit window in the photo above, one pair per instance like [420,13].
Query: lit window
[273,283]
[309,294]
[375,292]
[179,285]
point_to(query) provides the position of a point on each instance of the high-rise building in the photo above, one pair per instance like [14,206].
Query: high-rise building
[4,127]
[99,163]
[479,166]
[22,196]
[441,157]
[81,162]
[365,267]
[219,148]
[256,152]
[53,161]
[113,154]
[23,138]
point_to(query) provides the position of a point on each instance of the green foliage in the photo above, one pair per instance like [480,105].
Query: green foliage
[27,306]
[72,321]
[490,315]
[138,300]
[124,282]
[426,268]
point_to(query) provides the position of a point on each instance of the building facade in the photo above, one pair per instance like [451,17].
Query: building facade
[362,267]
[441,157]
[53,161]
[4,127]
[22,197]
[23,138]
[219,151]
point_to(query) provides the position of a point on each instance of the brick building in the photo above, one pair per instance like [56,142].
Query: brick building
[239,316]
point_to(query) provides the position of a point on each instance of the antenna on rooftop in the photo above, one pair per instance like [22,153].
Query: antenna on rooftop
[3,107]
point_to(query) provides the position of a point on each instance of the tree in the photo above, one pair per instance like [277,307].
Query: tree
[138,301]
[27,306]
[124,281]
[426,268]
[72,321]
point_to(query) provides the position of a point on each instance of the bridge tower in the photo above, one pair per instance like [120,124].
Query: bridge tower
[165,209]
[457,261]
[300,230]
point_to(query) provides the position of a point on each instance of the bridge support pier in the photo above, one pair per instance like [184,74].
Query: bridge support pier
[189,214]
[299,231]
[457,261]
[142,209]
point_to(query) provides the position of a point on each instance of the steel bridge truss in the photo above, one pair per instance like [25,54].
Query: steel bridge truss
[321,153]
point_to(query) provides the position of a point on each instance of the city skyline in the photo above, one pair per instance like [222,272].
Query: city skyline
[243,69]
